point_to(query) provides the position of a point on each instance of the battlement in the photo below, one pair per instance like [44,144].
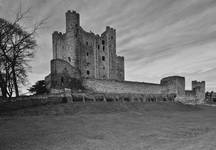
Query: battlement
[57,35]
[197,84]
[108,28]
[73,12]
[120,57]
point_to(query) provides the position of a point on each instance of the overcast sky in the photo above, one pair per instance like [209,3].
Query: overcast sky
[158,38]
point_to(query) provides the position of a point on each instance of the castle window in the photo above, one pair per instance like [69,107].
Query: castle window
[86,43]
[103,42]
[103,48]
[88,72]
[87,54]
[98,46]
[103,58]
[62,80]
[111,37]
[69,59]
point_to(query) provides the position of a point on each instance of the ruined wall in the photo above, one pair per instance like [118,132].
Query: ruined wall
[112,86]
[199,89]
[58,40]
[120,68]
[175,85]
[63,75]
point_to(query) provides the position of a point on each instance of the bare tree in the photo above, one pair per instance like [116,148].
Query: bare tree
[16,50]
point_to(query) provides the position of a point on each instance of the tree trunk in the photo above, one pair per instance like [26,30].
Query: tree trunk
[3,86]
[15,81]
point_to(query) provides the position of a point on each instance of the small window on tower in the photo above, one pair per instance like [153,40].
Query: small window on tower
[88,72]
[87,54]
[69,59]
[62,80]
[111,37]
[103,42]
[98,46]
[103,48]
[86,43]
[103,58]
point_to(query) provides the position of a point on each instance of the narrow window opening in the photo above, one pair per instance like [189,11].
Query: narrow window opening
[87,54]
[86,43]
[111,37]
[98,46]
[88,72]
[69,59]
[103,48]
[62,80]
[103,58]
[103,42]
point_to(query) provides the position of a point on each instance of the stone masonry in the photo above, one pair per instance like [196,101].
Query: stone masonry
[87,61]
[93,55]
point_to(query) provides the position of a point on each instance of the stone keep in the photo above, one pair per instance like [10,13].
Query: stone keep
[84,60]
[79,54]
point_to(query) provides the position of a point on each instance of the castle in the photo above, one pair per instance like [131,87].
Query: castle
[84,60]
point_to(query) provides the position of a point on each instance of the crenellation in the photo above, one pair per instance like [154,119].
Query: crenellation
[90,60]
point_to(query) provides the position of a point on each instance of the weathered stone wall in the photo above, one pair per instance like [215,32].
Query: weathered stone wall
[175,85]
[63,75]
[94,55]
[199,89]
[59,66]
[58,40]
[120,68]
[112,86]
[87,54]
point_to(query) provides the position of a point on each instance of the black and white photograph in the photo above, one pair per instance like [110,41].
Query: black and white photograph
[107,74]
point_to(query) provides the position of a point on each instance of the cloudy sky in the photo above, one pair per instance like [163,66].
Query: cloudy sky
[158,38]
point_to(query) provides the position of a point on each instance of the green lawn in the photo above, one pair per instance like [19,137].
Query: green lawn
[109,126]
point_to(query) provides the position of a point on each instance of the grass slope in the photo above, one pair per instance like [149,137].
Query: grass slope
[109,126]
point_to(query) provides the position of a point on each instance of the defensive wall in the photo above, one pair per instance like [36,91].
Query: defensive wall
[112,86]
[88,62]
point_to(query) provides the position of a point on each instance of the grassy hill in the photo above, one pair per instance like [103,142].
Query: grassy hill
[109,126]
